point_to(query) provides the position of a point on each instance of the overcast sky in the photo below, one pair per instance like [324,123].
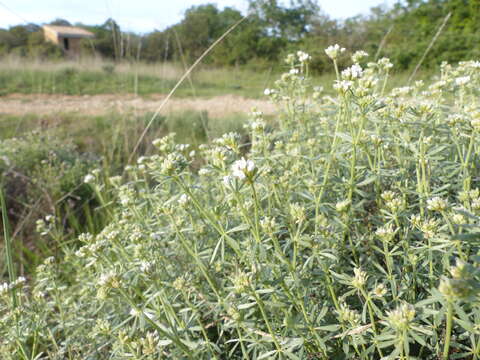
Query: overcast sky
[142,15]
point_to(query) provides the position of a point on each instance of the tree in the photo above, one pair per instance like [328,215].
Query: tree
[107,41]
[290,23]
[60,22]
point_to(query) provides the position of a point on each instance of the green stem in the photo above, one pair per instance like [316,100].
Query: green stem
[448,331]
[265,318]
[372,319]
[8,247]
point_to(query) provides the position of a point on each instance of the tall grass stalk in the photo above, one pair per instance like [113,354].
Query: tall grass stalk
[8,246]
[180,81]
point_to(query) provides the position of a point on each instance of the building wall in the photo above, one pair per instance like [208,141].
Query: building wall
[73,46]
[51,36]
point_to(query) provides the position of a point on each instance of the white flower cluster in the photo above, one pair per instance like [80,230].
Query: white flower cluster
[333,51]
[109,280]
[401,317]
[353,72]
[360,278]
[385,63]
[5,287]
[437,204]
[462,80]
[359,55]
[243,168]
[268,92]
[343,85]
[89,179]
[303,57]
[183,200]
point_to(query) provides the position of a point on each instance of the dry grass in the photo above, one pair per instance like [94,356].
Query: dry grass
[165,70]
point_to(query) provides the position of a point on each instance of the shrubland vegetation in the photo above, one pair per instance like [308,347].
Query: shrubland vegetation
[347,228]
[44,159]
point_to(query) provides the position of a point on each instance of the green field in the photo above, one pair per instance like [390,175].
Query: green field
[92,77]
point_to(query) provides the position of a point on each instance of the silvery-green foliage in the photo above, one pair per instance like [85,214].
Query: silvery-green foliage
[347,230]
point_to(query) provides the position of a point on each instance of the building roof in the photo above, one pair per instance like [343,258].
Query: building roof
[69,31]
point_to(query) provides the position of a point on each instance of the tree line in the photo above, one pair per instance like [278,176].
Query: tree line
[272,29]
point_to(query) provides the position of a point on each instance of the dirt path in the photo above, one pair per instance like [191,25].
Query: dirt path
[219,106]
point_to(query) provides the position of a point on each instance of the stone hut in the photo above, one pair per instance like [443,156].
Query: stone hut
[67,37]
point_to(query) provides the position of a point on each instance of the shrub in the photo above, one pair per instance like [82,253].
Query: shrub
[41,175]
[351,231]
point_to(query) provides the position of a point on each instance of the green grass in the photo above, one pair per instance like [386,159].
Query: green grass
[86,78]
[93,132]
[73,79]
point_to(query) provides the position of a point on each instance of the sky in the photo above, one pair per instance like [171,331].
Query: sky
[142,16]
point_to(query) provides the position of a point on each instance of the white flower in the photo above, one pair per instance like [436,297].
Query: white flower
[401,91]
[89,179]
[256,114]
[135,312]
[258,125]
[4,288]
[437,204]
[357,71]
[385,232]
[353,72]
[242,168]
[475,123]
[183,199]
[333,51]
[203,172]
[475,64]
[303,56]
[359,55]
[360,278]
[293,71]
[146,266]
[385,63]
[142,159]
[268,92]
[463,80]
[290,59]
[342,205]
[343,85]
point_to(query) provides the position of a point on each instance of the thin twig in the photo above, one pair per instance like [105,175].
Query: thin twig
[203,118]
[383,42]
[429,47]
[185,75]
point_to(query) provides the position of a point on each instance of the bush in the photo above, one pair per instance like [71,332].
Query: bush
[350,232]
[41,175]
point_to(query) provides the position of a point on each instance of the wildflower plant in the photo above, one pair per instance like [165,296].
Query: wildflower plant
[349,230]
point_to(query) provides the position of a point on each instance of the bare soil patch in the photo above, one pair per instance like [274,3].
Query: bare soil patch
[42,104]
